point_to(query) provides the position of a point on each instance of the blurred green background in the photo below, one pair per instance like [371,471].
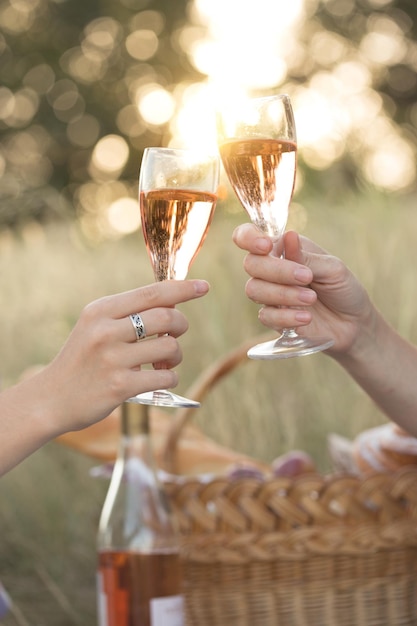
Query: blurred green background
[85,87]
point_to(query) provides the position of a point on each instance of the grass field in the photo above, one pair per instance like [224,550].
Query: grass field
[49,505]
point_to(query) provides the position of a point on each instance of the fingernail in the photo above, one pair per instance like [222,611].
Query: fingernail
[303,274]
[201,286]
[262,244]
[307,296]
[303,316]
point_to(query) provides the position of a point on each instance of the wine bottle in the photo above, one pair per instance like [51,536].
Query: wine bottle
[139,578]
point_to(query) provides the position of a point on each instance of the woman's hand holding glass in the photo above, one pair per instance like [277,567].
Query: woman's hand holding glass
[100,366]
[316,292]
[258,146]
[309,289]
[177,197]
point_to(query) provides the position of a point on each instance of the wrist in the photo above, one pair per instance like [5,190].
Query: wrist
[369,363]
[26,424]
[364,347]
[35,397]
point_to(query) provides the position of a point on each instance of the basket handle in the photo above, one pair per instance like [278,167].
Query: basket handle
[199,389]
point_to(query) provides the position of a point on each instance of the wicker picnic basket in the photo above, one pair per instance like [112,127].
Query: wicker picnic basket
[339,550]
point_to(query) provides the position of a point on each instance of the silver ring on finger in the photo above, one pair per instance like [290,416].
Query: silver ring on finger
[138,325]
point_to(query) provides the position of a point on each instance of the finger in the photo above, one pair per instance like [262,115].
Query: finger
[276,270]
[292,246]
[278,319]
[164,351]
[102,330]
[324,266]
[157,321]
[151,380]
[267,293]
[161,294]
[296,244]
[249,237]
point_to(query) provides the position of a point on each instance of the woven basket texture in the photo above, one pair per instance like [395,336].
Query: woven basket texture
[311,551]
[339,550]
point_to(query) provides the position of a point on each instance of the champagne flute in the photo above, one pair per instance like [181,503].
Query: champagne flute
[258,147]
[177,197]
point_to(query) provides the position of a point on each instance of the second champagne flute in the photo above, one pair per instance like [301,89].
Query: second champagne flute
[258,148]
[177,196]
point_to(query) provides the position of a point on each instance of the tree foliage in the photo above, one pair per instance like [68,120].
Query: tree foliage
[74,72]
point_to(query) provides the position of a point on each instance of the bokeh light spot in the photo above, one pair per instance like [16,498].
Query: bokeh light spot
[110,154]
[384,43]
[40,78]
[7,103]
[129,123]
[392,165]
[156,105]
[142,44]
[124,216]
[17,17]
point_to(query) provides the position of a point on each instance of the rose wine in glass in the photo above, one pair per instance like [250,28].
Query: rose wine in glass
[258,148]
[177,197]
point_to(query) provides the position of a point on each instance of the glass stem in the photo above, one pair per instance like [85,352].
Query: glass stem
[289,333]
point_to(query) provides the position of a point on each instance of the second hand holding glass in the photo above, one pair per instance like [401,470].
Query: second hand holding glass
[258,147]
[177,196]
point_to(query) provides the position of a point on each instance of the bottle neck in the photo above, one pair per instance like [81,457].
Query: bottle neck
[135,419]
[136,514]
[135,438]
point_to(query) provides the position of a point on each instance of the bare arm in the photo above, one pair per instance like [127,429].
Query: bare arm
[384,364]
[98,368]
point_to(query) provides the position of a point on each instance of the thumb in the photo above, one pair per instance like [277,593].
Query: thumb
[303,251]
[292,247]
[300,249]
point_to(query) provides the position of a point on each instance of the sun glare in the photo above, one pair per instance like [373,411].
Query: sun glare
[241,51]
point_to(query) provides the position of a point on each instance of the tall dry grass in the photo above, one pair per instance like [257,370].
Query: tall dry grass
[49,506]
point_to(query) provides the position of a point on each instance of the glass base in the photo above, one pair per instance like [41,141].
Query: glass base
[289,345]
[162,397]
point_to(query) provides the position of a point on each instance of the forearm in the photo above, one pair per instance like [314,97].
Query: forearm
[25,423]
[385,365]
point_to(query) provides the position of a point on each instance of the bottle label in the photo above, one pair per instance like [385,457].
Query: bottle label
[167,611]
